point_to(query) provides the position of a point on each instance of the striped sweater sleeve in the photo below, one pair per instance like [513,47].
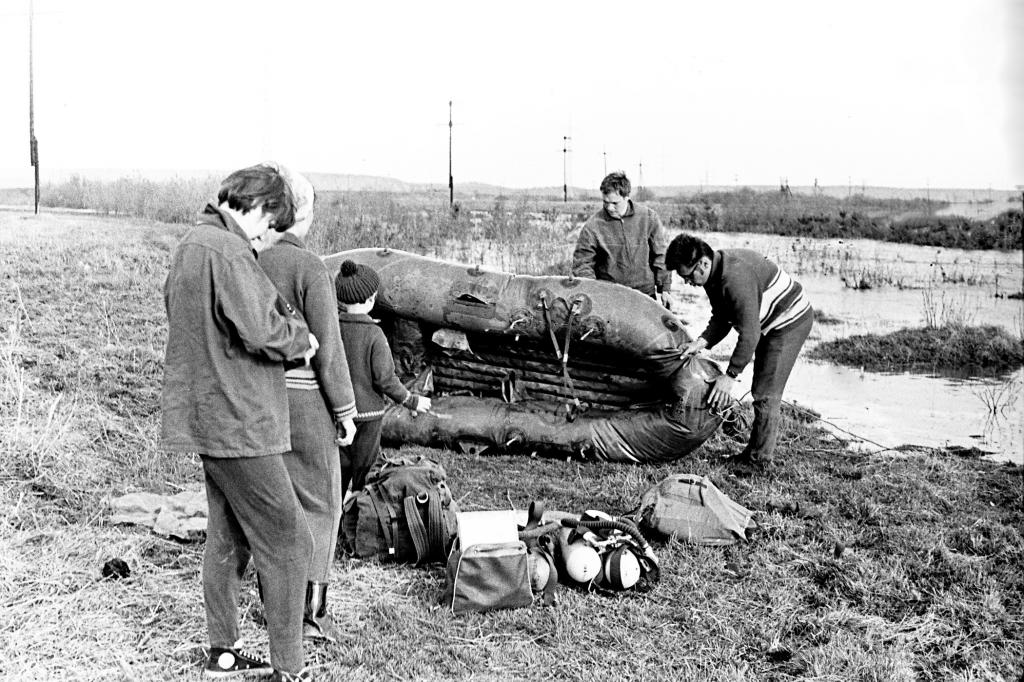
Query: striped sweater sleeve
[742,295]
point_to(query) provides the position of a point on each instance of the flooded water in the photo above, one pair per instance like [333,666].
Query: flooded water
[885,410]
[891,409]
[980,208]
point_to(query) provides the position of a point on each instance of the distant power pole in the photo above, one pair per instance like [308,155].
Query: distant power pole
[33,144]
[1020,188]
[604,153]
[451,180]
[565,168]
[640,180]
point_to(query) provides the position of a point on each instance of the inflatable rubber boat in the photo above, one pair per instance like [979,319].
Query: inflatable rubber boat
[536,364]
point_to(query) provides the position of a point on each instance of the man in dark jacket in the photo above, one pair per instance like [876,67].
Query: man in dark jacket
[767,308]
[624,243]
[224,399]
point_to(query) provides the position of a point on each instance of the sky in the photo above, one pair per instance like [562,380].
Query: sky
[902,93]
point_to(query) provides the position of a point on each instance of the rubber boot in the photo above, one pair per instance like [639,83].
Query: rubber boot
[316,622]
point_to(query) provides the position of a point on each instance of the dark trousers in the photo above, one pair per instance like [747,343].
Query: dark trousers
[774,358]
[357,459]
[253,512]
[315,472]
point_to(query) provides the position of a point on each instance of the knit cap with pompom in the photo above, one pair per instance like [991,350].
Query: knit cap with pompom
[355,283]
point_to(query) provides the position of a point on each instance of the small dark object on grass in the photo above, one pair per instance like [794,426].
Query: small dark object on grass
[735,568]
[778,654]
[115,569]
[793,508]
[785,507]
[853,473]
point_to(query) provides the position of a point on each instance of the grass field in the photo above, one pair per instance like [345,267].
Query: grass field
[898,565]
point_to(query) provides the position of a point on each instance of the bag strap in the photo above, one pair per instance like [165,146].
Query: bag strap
[416,529]
[385,522]
[547,595]
[437,529]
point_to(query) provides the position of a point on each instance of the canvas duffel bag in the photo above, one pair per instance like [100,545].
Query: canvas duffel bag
[485,577]
[404,513]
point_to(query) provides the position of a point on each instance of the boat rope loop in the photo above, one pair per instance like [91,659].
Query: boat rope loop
[551,328]
[569,386]
[573,408]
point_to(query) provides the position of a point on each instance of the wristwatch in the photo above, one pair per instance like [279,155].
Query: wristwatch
[731,374]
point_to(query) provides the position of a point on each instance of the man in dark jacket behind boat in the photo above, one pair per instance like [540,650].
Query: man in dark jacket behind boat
[624,243]
[767,308]
[224,398]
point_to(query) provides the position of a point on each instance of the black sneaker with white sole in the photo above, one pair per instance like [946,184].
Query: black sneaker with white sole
[224,663]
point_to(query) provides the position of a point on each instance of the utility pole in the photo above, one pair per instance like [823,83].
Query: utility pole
[565,168]
[451,181]
[640,180]
[33,144]
[604,153]
[1020,188]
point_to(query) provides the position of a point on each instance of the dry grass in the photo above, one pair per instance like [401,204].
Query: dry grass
[898,566]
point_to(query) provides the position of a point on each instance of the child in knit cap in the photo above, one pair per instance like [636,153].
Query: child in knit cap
[372,370]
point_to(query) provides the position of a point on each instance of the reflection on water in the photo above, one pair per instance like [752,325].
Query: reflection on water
[888,410]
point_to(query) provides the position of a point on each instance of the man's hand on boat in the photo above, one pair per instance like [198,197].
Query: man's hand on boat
[422,405]
[667,300]
[721,392]
[695,346]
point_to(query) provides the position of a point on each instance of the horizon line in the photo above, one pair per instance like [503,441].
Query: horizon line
[197,173]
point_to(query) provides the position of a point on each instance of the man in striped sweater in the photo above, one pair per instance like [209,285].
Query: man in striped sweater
[767,308]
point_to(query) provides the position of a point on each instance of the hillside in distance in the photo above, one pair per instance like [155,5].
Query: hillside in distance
[347,182]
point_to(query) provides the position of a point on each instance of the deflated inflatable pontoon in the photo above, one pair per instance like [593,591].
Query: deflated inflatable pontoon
[554,365]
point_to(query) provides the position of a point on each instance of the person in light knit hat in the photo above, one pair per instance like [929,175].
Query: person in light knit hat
[372,369]
[321,402]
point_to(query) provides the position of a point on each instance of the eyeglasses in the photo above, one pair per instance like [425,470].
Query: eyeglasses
[687,273]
